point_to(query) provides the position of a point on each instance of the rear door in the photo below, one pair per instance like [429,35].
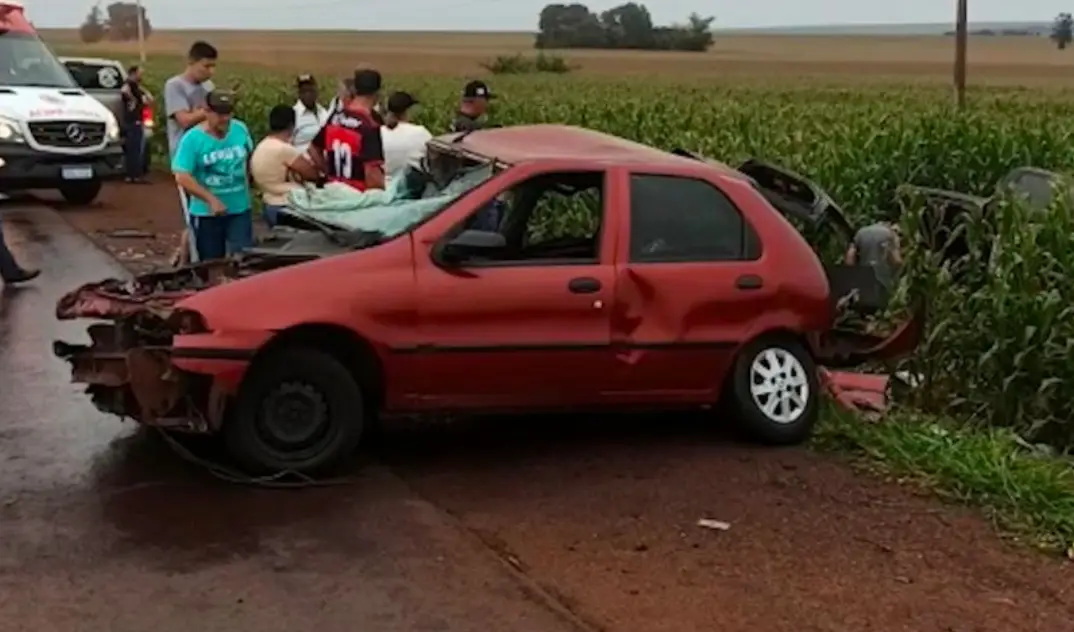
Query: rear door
[690,280]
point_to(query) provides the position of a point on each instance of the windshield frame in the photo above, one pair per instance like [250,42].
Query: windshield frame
[17,42]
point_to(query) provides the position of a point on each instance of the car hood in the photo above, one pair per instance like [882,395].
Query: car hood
[50,104]
[157,293]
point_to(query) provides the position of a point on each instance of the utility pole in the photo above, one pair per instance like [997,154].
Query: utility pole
[141,31]
[961,35]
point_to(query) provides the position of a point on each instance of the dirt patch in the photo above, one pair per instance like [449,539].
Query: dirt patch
[139,225]
[606,512]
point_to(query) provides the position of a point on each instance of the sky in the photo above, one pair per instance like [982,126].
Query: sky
[519,15]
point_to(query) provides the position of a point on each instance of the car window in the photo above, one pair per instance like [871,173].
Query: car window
[95,76]
[674,218]
[565,215]
[550,217]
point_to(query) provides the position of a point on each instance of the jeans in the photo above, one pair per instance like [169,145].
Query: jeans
[271,214]
[216,236]
[134,149]
[8,268]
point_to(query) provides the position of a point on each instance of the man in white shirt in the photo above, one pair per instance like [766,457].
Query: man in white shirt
[404,142]
[277,166]
[310,116]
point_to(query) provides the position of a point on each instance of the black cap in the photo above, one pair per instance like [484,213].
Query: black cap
[305,79]
[400,102]
[220,102]
[366,82]
[477,90]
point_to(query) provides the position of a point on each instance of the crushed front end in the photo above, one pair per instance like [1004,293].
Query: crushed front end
[128,365]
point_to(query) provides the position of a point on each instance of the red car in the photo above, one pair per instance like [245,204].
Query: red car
[545,267]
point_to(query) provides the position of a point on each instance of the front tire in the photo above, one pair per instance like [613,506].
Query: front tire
[81,193]
[298,410]
[776,391]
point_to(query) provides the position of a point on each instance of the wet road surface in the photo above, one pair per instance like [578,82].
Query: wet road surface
[103,527]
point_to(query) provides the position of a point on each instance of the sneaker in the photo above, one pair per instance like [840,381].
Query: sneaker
[23,276]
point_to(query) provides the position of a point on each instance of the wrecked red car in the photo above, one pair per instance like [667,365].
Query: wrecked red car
[615,275]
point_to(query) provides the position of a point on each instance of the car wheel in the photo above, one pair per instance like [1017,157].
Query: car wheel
[298,410]
[776,391]
[147,159]
[81,193]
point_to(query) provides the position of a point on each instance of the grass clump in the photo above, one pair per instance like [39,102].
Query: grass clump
[1027,490]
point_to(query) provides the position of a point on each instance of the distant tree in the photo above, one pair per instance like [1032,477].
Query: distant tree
[628,26]
[1063,30]
[123,21]
[93,29]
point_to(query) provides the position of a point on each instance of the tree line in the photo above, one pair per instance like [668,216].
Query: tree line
[627,26]
[118,22]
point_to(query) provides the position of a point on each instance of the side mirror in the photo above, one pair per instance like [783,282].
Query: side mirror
[470,243]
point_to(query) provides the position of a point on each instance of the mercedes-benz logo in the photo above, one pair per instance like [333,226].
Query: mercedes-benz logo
[75,133]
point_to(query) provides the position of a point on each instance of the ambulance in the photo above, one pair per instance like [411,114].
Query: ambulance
[52,134]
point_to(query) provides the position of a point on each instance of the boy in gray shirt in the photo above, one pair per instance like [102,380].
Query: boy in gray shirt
[184,107]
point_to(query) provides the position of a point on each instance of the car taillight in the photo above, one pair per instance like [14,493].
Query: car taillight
[147,116]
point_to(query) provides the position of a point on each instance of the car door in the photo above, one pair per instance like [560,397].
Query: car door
[519,332]
[689,283]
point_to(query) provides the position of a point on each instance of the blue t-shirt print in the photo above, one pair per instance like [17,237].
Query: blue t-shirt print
[219,165]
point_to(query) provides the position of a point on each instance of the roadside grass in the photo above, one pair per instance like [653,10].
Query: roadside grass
[1026,490]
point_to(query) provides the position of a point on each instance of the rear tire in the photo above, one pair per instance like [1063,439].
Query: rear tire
[81,193]
[298,410]
[776,391]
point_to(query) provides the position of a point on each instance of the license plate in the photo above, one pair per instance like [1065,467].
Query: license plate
[77,173]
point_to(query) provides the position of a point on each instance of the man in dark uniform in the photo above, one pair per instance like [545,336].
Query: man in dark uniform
[475,103]
[134,101]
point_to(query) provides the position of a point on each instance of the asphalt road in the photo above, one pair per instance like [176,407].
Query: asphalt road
[102,527]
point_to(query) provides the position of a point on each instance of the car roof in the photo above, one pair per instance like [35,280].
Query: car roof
[523,143]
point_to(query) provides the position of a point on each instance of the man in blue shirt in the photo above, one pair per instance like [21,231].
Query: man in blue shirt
[211,166]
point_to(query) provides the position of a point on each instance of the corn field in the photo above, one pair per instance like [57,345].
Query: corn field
[1000,348]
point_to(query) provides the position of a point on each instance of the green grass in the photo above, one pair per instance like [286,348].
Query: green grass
[1028,491]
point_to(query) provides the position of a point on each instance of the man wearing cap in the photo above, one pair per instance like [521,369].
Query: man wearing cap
[310,116]
[475,103]
[349,148]
[404,142]
[211,166]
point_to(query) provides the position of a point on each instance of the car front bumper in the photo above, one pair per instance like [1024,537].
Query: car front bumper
[23,167]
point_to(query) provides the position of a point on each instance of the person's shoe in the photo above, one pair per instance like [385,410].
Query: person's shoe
[22,276]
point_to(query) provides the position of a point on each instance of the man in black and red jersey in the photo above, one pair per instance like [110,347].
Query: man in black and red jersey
[348,148]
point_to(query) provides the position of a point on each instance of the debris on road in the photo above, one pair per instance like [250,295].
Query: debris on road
[130,233]
[715,525]
[857,392]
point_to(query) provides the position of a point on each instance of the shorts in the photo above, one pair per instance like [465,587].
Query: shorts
[216,236]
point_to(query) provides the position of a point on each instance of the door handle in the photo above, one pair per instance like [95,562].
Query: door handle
[584,285]
[749,282]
